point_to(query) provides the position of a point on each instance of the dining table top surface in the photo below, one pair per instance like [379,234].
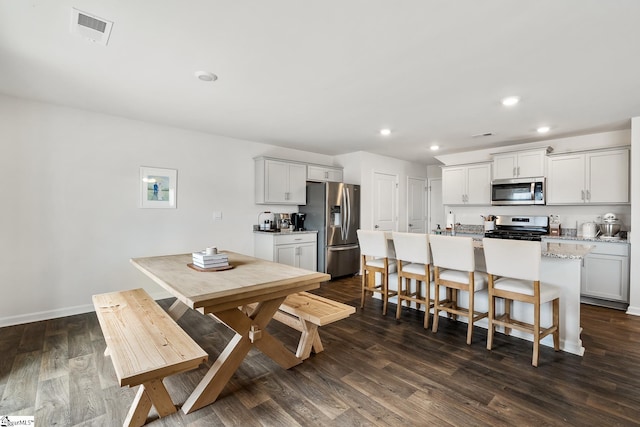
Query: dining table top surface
[249,280]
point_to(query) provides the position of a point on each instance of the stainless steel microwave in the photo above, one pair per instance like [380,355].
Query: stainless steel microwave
[518,191]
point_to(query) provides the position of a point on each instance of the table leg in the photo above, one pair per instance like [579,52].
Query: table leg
[250,330]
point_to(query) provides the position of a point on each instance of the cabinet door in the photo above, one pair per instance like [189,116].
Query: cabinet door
[531,163]
[297,188]
[319,173]
[605,277]
[276,181]
[479,185]
[607,176]
[504,166]
[565,183]
[286,254]
[454,185]
[307,256]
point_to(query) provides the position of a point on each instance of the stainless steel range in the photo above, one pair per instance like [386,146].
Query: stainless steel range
[520,227]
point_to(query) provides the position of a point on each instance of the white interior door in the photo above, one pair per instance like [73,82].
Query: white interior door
[436,208]
[416,205]
[385,201]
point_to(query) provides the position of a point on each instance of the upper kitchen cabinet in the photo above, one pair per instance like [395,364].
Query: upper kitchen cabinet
[467,185]
[520,164]
[324,173]
[598,177]
[280,182]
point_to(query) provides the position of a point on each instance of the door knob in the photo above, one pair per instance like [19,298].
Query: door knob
[376,226]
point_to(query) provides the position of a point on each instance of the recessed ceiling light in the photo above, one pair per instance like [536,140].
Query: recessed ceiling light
[543,129]
[434,147]
[510,101]
[206,76]
[385,132]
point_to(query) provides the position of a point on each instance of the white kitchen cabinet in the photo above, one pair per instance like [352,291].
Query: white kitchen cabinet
[324,173]
[605,271]
[520,164]
[595,177]
[467,184]
[280,182]
[294,249]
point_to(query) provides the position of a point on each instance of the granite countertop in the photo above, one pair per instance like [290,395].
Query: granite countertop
[555,250]
[285,232]
[582,239]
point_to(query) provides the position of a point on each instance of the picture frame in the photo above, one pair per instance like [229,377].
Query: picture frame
[158,188]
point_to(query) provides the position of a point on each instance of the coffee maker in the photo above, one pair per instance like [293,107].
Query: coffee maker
[297,219]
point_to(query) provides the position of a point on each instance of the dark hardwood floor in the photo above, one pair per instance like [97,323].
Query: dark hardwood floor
[374,371]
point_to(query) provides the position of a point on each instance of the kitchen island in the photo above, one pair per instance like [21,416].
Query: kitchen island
[561,266]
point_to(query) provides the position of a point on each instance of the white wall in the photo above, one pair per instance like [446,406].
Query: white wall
[70,212]
[367,164]
[634,292]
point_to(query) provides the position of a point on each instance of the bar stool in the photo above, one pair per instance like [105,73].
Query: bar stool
[413,262]
[454,265]
[517,263]
[375,254]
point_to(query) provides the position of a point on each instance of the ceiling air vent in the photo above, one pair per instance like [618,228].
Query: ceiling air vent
[90,26]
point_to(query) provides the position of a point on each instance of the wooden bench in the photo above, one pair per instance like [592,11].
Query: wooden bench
[145,346]
[305,312]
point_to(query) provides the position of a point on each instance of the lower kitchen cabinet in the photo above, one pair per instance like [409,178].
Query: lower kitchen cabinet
[294,249]
[605,273]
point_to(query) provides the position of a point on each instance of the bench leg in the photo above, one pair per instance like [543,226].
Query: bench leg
[308,340]
[150,393]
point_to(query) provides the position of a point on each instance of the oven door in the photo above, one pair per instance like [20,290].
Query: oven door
[520,191]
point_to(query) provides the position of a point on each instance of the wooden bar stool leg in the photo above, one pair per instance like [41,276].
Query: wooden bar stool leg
[385,292]
[436,306]
[427,303]
[471,316]
[556,322]
[491,316]
[364,284]
[401,293]
[536,333]
[507,312]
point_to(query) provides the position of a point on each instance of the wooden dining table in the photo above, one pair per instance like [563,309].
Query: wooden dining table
[222,294]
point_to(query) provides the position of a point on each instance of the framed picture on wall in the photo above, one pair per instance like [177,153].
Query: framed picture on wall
[158,187]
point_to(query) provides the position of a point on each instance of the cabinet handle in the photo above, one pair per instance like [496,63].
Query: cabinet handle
[518,170]
[326,175]
[286,196]
[588,195]
[514,171]
[582,195]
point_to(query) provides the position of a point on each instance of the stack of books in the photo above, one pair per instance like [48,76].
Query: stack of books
[202,260]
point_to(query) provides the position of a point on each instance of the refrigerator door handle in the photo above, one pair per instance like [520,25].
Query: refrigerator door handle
[342,248]
[348,221]
[344,214]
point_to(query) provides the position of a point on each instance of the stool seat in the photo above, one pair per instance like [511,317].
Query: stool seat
[379,263]
[415,268]
[547,292]
[480,279]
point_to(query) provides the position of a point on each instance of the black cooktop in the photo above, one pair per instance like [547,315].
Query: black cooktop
[516,235]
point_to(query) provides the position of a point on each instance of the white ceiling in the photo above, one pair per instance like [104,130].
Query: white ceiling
[325,76]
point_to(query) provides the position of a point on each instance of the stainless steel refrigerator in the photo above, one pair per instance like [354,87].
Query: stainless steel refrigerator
[333,208]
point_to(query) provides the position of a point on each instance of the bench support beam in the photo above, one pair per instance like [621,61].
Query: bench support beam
[150,393]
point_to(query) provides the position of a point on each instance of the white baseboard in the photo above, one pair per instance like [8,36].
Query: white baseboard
[634,311]
[61,312]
